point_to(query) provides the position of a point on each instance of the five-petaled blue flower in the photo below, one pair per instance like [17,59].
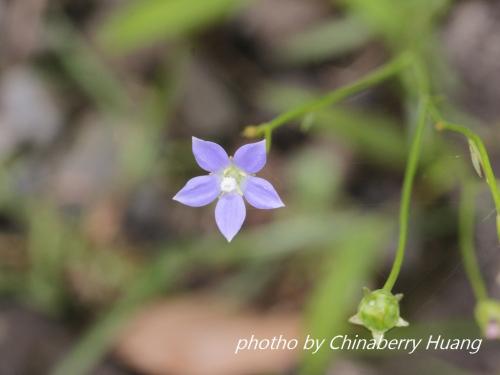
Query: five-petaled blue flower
[230,179]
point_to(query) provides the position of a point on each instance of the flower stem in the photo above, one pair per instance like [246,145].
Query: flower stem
[485,160]
[379,75]
[483,156]
[466,241]
[268,134]
[397,65]
[404,213]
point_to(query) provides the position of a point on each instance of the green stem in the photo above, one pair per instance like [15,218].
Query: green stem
[485,160]
[404,213]
[377,76]
[268,134]
[381,74]
[466,239]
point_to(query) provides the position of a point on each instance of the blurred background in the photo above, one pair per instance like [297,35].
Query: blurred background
[102,273]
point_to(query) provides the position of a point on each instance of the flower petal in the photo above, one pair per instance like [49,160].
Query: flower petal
[261,194]
[199,191]
[209,155]
[251,157]
[230,213]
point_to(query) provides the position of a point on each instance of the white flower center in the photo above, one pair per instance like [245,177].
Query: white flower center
[228,184]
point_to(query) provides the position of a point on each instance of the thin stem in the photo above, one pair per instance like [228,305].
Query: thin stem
[377,76]
[392,68]
[466,241]
[268,134]
[404,213]
[485,160]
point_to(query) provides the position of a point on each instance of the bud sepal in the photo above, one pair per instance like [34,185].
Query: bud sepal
[378,311]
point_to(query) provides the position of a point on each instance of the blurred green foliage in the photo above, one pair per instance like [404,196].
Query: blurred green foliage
[338,288]
[350,240]
[335,37]
[144,22]
[403,24]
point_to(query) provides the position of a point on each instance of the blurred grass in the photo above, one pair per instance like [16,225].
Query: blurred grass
[338,289]
[403,24]
[351,240]
[144,22]
[83,65]
[321,42]
[262,245]
[311,188]
[48,249]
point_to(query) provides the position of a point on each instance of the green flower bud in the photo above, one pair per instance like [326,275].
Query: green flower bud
[378,311]
[488,318]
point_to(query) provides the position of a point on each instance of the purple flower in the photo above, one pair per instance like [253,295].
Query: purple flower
[230,179]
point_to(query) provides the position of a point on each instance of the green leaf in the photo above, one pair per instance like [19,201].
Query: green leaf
[144,22]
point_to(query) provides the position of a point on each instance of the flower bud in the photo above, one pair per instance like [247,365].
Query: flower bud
[251,131]
[488,318]
[378,311]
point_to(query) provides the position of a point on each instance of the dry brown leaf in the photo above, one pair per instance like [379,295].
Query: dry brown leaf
[198,336]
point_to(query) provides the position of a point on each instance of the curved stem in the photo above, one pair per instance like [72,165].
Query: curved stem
[404,213]
[466,241]
[392,68]
[483,153]
[379,75]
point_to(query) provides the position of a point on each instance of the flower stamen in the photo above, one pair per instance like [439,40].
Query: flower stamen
[228,184]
